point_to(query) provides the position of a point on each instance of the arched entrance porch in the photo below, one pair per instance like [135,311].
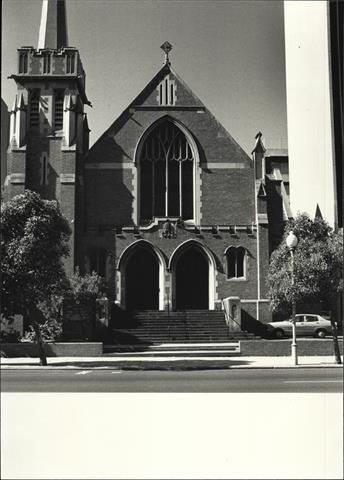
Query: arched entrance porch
[142,281]
[141,270]
[192,267]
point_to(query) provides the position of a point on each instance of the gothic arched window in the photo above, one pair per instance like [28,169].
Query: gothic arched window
[236,262]
[166,174]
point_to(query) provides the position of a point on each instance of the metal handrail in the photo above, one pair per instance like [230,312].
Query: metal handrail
[168,317]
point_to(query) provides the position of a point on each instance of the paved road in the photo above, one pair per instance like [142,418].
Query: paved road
[112,380]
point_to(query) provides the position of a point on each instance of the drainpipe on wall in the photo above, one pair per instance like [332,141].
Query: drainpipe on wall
[259,173]
[258,254]
[258,246]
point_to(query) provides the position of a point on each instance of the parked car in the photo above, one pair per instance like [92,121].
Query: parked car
[306,324]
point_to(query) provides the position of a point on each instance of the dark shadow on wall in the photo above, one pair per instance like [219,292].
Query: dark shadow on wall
[108,193]
[251,325]
[122,328]
[104,147]
[120,318]
[34,173]
[275,214]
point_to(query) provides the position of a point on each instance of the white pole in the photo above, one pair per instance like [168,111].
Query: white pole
[294,343]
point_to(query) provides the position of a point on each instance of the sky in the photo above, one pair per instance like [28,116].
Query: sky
[230,53]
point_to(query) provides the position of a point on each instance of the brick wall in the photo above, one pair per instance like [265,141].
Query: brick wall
[217,244]
[226,194]
[282,348]
[108,197]
[54,349]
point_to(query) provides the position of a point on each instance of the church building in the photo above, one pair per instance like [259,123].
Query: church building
[166,205]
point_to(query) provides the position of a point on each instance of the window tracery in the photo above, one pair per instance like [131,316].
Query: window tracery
[166,171]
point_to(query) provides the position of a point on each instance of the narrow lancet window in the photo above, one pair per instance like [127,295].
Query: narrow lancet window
[44,169]
[58,109]
[167,92]
[70,62]
[46,62]
[23,62]
[34,108]
[236,262]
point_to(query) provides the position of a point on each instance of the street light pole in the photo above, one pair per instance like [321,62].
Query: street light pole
[293,314]
[292,242]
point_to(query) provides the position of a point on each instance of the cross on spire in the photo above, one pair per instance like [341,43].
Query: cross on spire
[166,47]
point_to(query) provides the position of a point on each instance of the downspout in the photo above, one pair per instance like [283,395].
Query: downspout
[258,246]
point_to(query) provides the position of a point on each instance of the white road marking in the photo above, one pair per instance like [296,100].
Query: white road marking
[84,372]
[117,371]
[312,381]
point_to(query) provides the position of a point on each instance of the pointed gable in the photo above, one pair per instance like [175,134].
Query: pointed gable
[118,144]
[166,89]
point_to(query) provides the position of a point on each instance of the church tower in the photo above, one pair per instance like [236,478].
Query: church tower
[48,128]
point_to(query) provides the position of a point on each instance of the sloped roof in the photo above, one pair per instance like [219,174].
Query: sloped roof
[147,99]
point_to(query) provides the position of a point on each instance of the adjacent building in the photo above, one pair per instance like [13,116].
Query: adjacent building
[314,74]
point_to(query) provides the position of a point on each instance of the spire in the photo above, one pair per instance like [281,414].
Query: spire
[318,213]
[259,146]
[53,26]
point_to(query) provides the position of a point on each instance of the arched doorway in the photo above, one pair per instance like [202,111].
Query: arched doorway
[192,280]
[142,281]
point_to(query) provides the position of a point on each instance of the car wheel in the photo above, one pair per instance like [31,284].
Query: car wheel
[279,333]
[320,333]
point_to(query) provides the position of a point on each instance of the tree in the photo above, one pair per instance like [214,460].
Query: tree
[84,291]
[318,267]
[34,242]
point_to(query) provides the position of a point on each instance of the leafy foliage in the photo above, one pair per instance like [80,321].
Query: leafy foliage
[34,241]
[10,335]
[85,288]
[51,330]
[317,265]
[83,293]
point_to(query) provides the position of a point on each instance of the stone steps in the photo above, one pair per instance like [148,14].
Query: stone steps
[156,327]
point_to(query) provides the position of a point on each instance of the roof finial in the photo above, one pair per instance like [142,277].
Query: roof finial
[259,146]
[166,47]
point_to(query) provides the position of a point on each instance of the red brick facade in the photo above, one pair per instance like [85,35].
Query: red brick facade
[225,198]
[100,191]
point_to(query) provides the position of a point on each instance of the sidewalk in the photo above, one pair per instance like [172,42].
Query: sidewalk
[170,363]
